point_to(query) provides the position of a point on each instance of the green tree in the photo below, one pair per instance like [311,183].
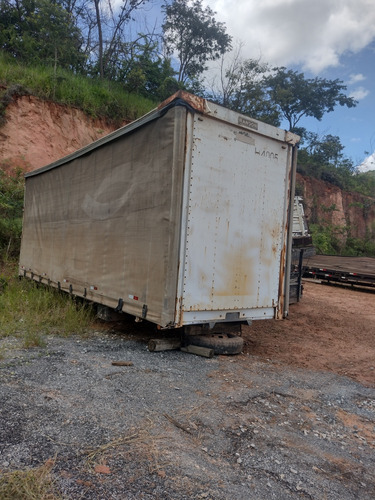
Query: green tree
[110,24]
[297,96]
[243,89]
[328,150]
[40,31]
[323,158]
[365,183]
[143,69]
[192,32]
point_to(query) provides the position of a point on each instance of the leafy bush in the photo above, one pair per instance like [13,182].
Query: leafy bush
[329,240]
[324,239]
[356,247]
[11,207]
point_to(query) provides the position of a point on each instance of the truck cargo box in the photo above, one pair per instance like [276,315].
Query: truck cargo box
[182,217]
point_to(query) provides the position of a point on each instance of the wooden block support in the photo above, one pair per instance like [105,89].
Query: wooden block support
[199,351]
[156,345]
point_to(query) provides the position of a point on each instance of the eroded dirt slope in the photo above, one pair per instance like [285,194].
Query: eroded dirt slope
[347,213]
[39,132]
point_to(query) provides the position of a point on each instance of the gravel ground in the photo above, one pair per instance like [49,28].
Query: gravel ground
[177,426]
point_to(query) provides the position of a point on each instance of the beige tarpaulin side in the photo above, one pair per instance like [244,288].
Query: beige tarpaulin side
[106,224]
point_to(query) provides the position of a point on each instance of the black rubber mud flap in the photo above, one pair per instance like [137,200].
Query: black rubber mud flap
[221,343]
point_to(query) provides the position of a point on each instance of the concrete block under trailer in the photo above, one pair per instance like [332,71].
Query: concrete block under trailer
[181,217]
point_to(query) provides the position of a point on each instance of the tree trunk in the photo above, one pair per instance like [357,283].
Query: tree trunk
[100,36]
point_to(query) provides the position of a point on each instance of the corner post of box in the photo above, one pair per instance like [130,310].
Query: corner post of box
[289,244]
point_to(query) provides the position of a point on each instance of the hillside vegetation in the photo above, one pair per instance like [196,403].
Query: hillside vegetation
[98,98]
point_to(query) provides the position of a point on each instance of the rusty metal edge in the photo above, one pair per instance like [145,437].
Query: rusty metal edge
[197,103]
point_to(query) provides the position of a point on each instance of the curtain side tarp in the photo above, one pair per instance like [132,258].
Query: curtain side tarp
[109,221]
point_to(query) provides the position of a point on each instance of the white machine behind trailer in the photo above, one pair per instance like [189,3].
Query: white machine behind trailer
[183,217]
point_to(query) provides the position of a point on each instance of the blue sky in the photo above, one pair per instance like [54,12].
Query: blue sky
[354,126]
[322,38]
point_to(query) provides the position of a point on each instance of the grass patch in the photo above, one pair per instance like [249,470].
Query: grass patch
[97,98]
[29,311]
[30,484]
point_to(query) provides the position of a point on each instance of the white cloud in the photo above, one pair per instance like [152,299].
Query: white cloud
[368,164]
[311,33]
[359,93]
[356,78]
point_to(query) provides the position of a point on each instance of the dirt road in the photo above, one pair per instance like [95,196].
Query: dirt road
[332,328]
[293,417]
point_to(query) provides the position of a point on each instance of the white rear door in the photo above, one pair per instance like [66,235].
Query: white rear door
[236,220]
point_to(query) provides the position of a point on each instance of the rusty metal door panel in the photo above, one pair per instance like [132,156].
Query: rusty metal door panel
[236,219]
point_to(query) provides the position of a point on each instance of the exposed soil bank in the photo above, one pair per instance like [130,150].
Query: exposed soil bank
[39,132]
